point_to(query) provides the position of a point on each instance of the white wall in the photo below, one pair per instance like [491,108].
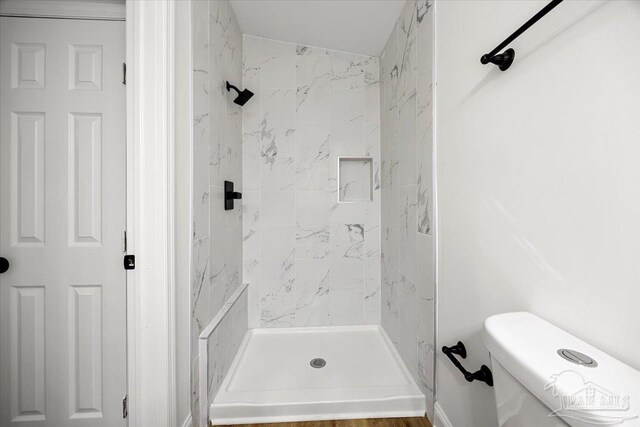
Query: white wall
[538,180]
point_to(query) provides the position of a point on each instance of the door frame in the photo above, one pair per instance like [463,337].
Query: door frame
[150,323]
[110,10]
[151,306]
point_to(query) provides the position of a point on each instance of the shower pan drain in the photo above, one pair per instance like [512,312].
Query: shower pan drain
[318,363]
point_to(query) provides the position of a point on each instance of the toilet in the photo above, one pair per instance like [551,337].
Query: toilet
[546,377]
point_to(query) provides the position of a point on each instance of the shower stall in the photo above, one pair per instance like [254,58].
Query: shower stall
[313,297]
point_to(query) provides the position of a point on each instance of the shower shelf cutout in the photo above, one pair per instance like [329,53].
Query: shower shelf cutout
[355,176]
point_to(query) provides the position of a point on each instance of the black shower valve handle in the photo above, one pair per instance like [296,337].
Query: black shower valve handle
[230,195]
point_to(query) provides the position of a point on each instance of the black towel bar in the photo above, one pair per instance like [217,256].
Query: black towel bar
[504,60]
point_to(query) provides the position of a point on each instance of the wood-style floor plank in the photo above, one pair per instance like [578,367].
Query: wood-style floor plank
[373,422]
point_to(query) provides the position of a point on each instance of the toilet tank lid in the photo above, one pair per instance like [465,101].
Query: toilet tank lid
[527,347]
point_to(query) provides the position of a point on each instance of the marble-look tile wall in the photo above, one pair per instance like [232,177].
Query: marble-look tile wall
[407,192]
[309,260]
[217,156]
[225,342]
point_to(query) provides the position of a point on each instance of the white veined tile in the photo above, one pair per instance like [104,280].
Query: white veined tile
[347,306]
[408,230]
[278,65]
[313,92]
[347,71]
[347,122]
[277,292]
[312,222]
[372,291]
[278,207]
[200,296]
[407,143]
[312,157]
[312,292]
[347,251]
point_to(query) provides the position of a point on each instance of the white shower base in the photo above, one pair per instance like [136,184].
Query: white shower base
[271,379]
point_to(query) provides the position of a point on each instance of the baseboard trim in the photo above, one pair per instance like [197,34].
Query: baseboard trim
[440,418]
[188,422]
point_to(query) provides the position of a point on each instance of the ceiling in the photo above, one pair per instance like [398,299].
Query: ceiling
[356,26]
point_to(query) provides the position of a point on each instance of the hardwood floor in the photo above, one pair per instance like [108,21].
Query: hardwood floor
[374,422]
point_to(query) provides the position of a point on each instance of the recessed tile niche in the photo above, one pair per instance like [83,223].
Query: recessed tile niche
[354,179]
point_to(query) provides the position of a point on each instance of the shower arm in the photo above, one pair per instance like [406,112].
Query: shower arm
[230,86]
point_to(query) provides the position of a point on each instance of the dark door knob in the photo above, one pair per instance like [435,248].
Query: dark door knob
[4,265]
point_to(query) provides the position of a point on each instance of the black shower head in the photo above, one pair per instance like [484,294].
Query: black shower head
[243,96]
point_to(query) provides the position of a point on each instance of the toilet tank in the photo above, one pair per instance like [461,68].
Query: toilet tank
[546,377]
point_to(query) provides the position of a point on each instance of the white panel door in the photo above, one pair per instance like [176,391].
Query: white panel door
[62,215]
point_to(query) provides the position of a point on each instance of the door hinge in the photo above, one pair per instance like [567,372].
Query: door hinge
[129,262]
[125,406]
[124,241]
[124,73]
